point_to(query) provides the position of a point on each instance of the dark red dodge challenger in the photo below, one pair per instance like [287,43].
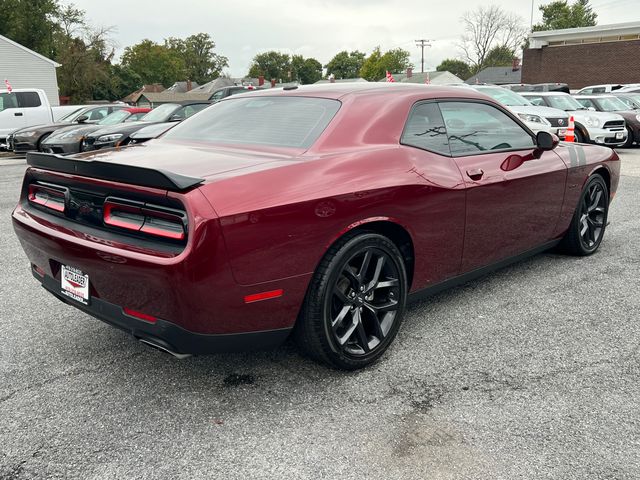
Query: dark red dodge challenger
[316,210]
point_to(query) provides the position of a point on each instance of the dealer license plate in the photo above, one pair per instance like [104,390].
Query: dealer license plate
[619,135]
[75,284]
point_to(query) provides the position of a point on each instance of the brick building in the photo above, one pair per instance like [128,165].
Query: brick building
[584,56]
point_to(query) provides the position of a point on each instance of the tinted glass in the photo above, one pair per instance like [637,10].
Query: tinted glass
[425,129]
[270,121]
[596,90]
[191,109]
[28,99]
[8,100]
[161,113]
[477,127]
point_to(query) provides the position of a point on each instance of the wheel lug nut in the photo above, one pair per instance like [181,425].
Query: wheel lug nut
[362,288]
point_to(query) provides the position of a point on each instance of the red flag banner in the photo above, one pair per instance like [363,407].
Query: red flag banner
[9,88]
[390,77]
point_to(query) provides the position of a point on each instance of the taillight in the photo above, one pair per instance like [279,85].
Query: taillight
[46,196]
[144,218]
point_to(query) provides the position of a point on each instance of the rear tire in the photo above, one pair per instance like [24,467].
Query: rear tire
[589,219]
[355,302]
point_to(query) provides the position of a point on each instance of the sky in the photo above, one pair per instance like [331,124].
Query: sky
[313,28]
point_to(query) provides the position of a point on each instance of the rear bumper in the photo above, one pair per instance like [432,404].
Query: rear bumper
[169,335]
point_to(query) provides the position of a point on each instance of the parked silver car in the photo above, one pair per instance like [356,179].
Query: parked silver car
[603,128]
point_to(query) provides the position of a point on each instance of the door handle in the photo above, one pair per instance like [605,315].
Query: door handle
[475,173]
[18,114]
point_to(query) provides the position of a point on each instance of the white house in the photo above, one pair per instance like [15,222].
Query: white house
[25,68]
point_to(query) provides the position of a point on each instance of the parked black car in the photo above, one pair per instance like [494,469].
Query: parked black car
[120,135]
[29,138]
[69,139]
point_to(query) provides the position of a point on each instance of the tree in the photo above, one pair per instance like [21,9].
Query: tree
[30,23]
[558,15]
[271,64]
[346,64]
[202,64]
[377,64]
[305,70]
[486,28]
[499,56]
[154,63]
[457,67]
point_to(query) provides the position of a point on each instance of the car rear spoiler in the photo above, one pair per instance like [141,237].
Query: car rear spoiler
[117,172]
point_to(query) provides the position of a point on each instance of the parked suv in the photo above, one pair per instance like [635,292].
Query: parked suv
[609,103]
[591,127]
[537,118]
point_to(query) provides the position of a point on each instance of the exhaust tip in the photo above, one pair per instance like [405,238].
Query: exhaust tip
[158,346]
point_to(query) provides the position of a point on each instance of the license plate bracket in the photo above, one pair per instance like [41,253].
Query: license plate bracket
[75,284]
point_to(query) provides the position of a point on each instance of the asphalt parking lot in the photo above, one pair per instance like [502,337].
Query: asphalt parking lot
[530,373]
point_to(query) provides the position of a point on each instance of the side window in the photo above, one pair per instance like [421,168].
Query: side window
[537,101]
[28,99]
[586,91]
[98,113]
[597,90]
[478,127]
[217,96]
[586,102]
[425,129]
[8,100]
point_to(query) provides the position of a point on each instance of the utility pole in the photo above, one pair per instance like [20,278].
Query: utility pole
[421,44]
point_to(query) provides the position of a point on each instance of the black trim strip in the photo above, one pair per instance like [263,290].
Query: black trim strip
[117,172]
[477,273]
[169,335]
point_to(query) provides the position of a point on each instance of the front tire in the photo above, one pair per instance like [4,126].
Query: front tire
[355,302]
[589,219]
[629,142]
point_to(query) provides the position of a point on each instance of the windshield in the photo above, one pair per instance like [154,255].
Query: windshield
[160,113]
[8,100]
[506,97]
[564,102]
[68,116]
[294,122]
[610,104]
[116,117]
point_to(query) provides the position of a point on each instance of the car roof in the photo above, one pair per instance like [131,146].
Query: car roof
[339,91]
[544,94]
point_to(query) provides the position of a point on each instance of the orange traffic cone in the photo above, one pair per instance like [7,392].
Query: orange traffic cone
[570,136]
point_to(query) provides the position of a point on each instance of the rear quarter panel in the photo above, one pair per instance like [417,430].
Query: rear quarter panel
[583,161]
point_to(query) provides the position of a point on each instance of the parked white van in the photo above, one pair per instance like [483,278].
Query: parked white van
[21,108]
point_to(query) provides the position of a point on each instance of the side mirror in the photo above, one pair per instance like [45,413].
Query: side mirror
[546,141]
[82,118]
[175,118]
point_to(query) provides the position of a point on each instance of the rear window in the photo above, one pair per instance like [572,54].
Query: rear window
[294,122]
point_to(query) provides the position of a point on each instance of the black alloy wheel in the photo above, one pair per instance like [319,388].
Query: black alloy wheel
[355,302]
[590,218]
